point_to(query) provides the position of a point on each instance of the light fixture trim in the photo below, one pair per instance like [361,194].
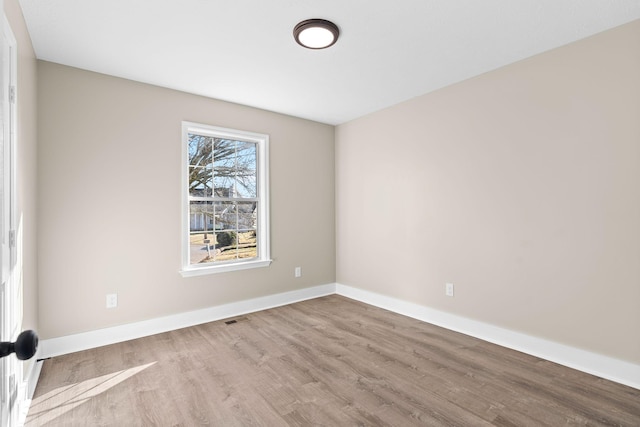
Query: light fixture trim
[316,28]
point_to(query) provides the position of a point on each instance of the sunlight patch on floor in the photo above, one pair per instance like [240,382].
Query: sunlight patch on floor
[53,404]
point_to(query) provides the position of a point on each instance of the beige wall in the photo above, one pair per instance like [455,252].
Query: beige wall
[109,201]
[520,186]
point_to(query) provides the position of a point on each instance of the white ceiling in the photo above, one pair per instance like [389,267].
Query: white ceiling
[243,50]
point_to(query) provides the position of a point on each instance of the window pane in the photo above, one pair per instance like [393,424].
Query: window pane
[247,244]
[245,182]
[200,174]
[226,245]
[245,186]
[224,167]
[247,215]
[200,232]
[226,216]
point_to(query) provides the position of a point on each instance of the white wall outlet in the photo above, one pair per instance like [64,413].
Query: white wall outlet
[112,300]
[298,272]
[448,289]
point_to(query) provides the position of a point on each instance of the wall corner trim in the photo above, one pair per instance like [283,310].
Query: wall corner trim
[592,363]
[98,338]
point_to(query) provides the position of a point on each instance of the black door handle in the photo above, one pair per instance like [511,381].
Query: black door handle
[24,347]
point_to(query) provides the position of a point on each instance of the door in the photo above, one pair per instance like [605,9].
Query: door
[10,306]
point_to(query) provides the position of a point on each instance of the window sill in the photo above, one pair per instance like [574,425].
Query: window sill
[202,271]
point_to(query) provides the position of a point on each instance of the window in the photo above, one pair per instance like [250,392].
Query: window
[225,200]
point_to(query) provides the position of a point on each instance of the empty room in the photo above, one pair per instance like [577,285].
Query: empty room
[334,213]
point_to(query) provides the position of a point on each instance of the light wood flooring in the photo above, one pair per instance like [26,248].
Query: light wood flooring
[329,361]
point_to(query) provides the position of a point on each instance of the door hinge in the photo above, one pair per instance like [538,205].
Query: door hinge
[12,94]
[12,238]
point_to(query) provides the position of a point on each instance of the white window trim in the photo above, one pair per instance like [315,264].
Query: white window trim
[264,256]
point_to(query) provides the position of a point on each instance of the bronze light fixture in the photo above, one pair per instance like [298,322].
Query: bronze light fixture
[316,33]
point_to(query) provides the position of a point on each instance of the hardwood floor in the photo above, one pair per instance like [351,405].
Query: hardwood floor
[330,361]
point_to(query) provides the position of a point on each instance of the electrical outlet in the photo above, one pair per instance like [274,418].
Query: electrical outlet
[448,289]
[112,300]
[298,272]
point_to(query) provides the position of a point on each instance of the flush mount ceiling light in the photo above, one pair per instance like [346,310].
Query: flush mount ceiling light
[316,33]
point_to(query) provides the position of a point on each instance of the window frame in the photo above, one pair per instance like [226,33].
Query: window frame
[262,188]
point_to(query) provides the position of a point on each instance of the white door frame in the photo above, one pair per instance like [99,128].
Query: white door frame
[10,275]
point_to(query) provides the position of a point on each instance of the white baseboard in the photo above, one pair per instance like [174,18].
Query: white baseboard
[28,388]
[596,364]
[98,338]
[34,375]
